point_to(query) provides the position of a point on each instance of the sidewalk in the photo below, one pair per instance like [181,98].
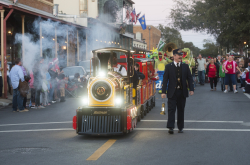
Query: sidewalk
[6,102]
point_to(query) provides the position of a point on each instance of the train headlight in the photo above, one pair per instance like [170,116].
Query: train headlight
[101,90]
[101,74]
[85,101]
[118,101]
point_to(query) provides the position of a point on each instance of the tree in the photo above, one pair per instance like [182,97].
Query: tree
[227,20]
[172,35]
[211,49]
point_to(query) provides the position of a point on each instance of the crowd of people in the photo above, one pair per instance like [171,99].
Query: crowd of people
[46,83]
[228,71]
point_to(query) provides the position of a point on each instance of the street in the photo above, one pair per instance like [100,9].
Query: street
[217,131]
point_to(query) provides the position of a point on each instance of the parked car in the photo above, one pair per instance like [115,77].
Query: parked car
[86,66]
[72,70]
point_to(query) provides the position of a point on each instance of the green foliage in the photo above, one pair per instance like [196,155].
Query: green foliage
[210,49]
[173,35]
[227,20]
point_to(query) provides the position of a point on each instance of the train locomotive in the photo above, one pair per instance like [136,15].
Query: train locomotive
[113,105]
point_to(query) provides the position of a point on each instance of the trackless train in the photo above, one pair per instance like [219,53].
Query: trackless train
[114,104]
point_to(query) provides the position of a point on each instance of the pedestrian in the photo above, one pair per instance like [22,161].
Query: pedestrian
[201,69]
[230,67]
[222,76]
[32,91]
[243,78]
[247,82]
[16,75]
[249,65]
[62,82]
[194,69]
[25,98]
[38,80]
[178,74]
[53,81]
[212,72]
[219,60]
[8,78]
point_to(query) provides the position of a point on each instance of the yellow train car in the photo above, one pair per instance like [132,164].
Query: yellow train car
[108,107]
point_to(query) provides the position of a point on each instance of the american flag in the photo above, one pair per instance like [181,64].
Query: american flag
[133,15]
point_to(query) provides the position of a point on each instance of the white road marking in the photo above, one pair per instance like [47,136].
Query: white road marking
[193,129]
[37,130]
[197,121]
[2,125]
[247,95]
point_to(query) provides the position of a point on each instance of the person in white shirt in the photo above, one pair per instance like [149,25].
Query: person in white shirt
[201,69]
[119,68]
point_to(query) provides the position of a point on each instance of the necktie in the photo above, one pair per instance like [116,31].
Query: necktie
[178,64]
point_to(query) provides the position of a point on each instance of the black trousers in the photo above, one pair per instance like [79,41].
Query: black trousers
[177,101]
[1,86]
[38,92]
[213,82]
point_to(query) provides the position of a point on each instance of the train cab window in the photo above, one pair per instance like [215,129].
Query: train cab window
[119,68]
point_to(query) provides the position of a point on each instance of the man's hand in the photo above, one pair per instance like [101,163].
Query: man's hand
[163,95]
[191,93]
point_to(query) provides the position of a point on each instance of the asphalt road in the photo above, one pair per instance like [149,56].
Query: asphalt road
[217,131]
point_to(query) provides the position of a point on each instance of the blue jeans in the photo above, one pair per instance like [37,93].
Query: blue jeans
[229,77]
[242,80]
[194,79]
[51,93]
[17,100]
[201,75]
[222,83]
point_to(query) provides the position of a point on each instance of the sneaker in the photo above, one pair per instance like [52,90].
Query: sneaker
[53,101]
[235,91]
[34,107]
[40,107]
[225,91]
[25,110]
[48,103]
[243,90]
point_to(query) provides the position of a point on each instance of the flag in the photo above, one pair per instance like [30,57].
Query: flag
[143,22]
[161,45]
[127,14]
[133,15]
[137,16]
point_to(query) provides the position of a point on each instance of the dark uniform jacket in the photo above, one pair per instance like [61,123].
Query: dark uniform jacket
[170,75]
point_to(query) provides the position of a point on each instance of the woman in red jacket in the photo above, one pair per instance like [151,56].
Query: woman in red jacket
[213,73]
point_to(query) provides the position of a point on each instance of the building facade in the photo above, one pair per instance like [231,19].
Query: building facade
[152,36]
[30,30]
[104,19]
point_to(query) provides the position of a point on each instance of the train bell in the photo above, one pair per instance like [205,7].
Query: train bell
[163,109]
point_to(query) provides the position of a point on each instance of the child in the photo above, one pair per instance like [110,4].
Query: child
[222,76]
[243,79]
[62,82]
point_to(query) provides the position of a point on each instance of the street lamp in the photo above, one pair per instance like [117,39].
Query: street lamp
[245,43]
[149,35]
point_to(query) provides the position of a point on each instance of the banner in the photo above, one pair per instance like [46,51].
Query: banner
[161,45]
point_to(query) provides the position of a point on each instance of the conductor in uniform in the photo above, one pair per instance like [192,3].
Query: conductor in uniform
[180,79]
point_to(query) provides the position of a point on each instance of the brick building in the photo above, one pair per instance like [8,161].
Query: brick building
[154,34]
[44,5]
